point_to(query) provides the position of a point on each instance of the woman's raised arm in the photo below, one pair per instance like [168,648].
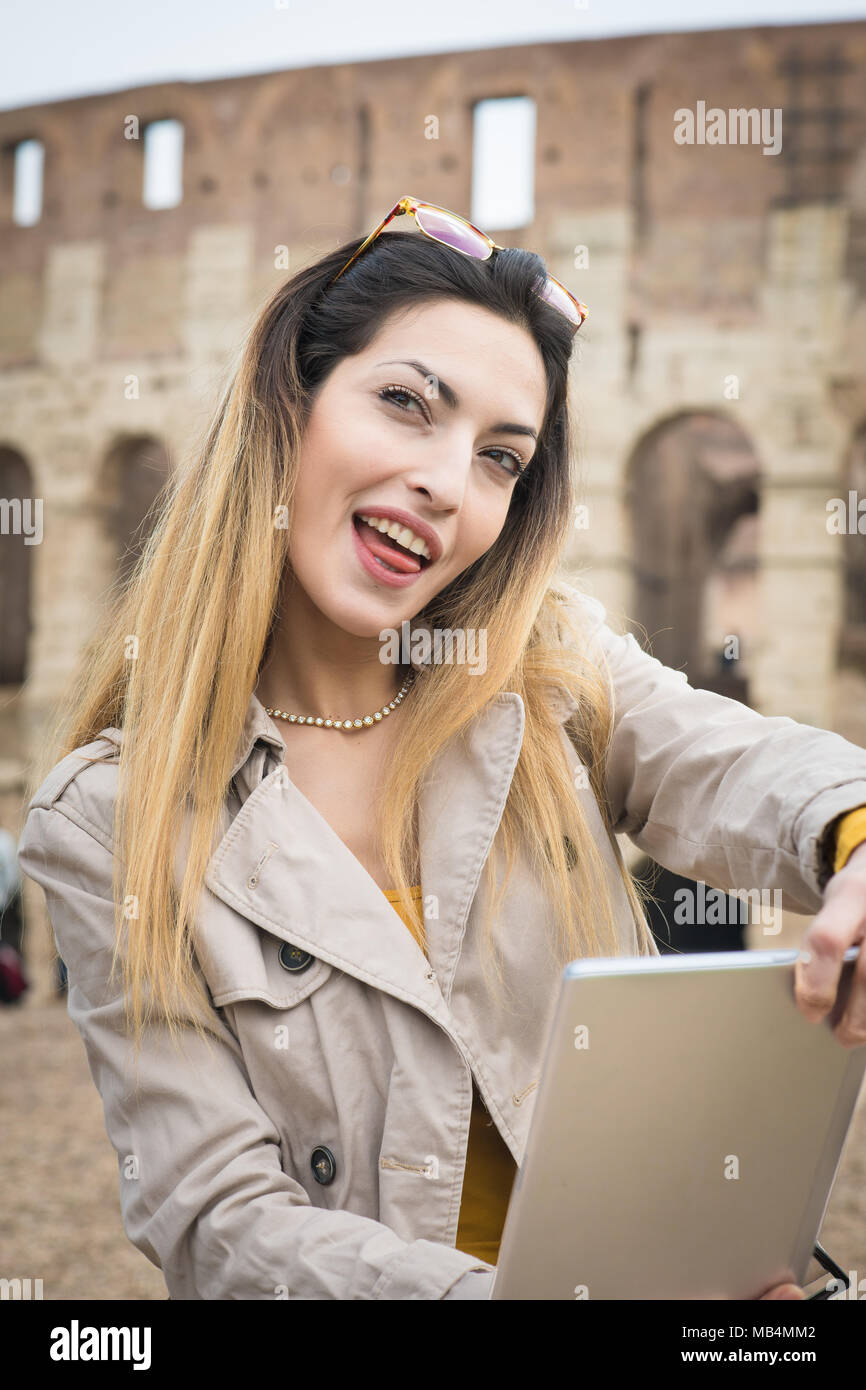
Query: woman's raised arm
[715,791]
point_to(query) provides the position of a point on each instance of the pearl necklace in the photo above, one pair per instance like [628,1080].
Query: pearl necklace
[366,722]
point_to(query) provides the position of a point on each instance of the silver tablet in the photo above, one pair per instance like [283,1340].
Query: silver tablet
[686,1133]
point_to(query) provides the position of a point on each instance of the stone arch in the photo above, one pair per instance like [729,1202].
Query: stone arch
[61,155]
[692,498]
[55,132]
[130,484]
[121,162]
[301,96]
[153,104]
[20,533]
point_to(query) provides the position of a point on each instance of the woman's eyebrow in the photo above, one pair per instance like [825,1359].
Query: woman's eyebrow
[451,399]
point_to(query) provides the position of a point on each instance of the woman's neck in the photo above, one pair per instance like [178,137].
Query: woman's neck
[325,687]
[314,667]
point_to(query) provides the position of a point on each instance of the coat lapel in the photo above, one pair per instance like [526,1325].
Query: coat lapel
[282,865]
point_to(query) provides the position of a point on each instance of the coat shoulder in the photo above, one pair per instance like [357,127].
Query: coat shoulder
[83,785]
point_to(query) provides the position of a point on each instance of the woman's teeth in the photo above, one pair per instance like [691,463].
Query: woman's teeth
[401,534]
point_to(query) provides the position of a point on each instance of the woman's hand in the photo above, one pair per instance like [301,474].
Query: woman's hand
[778,1291]
[840,923]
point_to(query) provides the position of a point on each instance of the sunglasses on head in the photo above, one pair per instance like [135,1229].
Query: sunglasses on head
[454,231]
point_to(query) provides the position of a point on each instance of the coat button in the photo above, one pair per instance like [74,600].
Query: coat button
[323,1164]
[293,958]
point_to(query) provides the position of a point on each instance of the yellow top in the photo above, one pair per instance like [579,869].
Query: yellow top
[850,832]
[490,1169]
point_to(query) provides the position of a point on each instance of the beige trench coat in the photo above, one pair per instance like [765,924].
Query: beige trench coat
[361,1061]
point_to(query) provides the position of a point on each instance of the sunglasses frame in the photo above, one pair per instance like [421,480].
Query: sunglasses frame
[410,206]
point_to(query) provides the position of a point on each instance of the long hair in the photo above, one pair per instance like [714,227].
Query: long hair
[182,639]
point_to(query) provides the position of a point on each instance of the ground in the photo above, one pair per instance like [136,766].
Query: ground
[60,1216]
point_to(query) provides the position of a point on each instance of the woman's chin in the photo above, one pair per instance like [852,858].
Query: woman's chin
[363,617]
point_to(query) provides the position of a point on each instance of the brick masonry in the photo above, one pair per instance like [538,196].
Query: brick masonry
[705,263]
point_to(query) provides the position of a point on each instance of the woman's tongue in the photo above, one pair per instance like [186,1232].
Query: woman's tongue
[401,560]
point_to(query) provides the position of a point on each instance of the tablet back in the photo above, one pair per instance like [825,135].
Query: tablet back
[686,1134]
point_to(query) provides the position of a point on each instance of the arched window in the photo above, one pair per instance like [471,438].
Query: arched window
[503,163]
[27,181]
[692,496]
[163,164]
[132,479]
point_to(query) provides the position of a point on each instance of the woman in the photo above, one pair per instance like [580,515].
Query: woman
[317,1080]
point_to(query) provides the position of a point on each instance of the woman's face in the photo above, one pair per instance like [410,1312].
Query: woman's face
[440,446]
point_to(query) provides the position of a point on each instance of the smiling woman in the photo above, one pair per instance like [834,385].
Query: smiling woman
[319,901]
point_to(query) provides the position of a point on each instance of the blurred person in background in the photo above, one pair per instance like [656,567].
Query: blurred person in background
[13,980]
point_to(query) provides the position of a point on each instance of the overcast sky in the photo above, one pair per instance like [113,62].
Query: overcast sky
[55,49]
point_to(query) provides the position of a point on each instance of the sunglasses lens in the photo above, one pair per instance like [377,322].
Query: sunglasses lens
[558,297]
[456,232]
[447,227]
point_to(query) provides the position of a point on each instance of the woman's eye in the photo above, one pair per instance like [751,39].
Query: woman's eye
[517,466]
[390,393]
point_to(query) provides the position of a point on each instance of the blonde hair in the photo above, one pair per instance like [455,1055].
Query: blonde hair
[202,600]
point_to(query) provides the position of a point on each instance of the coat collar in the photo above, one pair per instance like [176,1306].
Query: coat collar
[281,865]
[259,728]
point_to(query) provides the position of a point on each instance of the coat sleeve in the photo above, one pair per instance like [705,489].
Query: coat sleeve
[715,791]
[202,1190]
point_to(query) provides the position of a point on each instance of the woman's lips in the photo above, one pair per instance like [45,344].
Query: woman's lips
[372,548]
